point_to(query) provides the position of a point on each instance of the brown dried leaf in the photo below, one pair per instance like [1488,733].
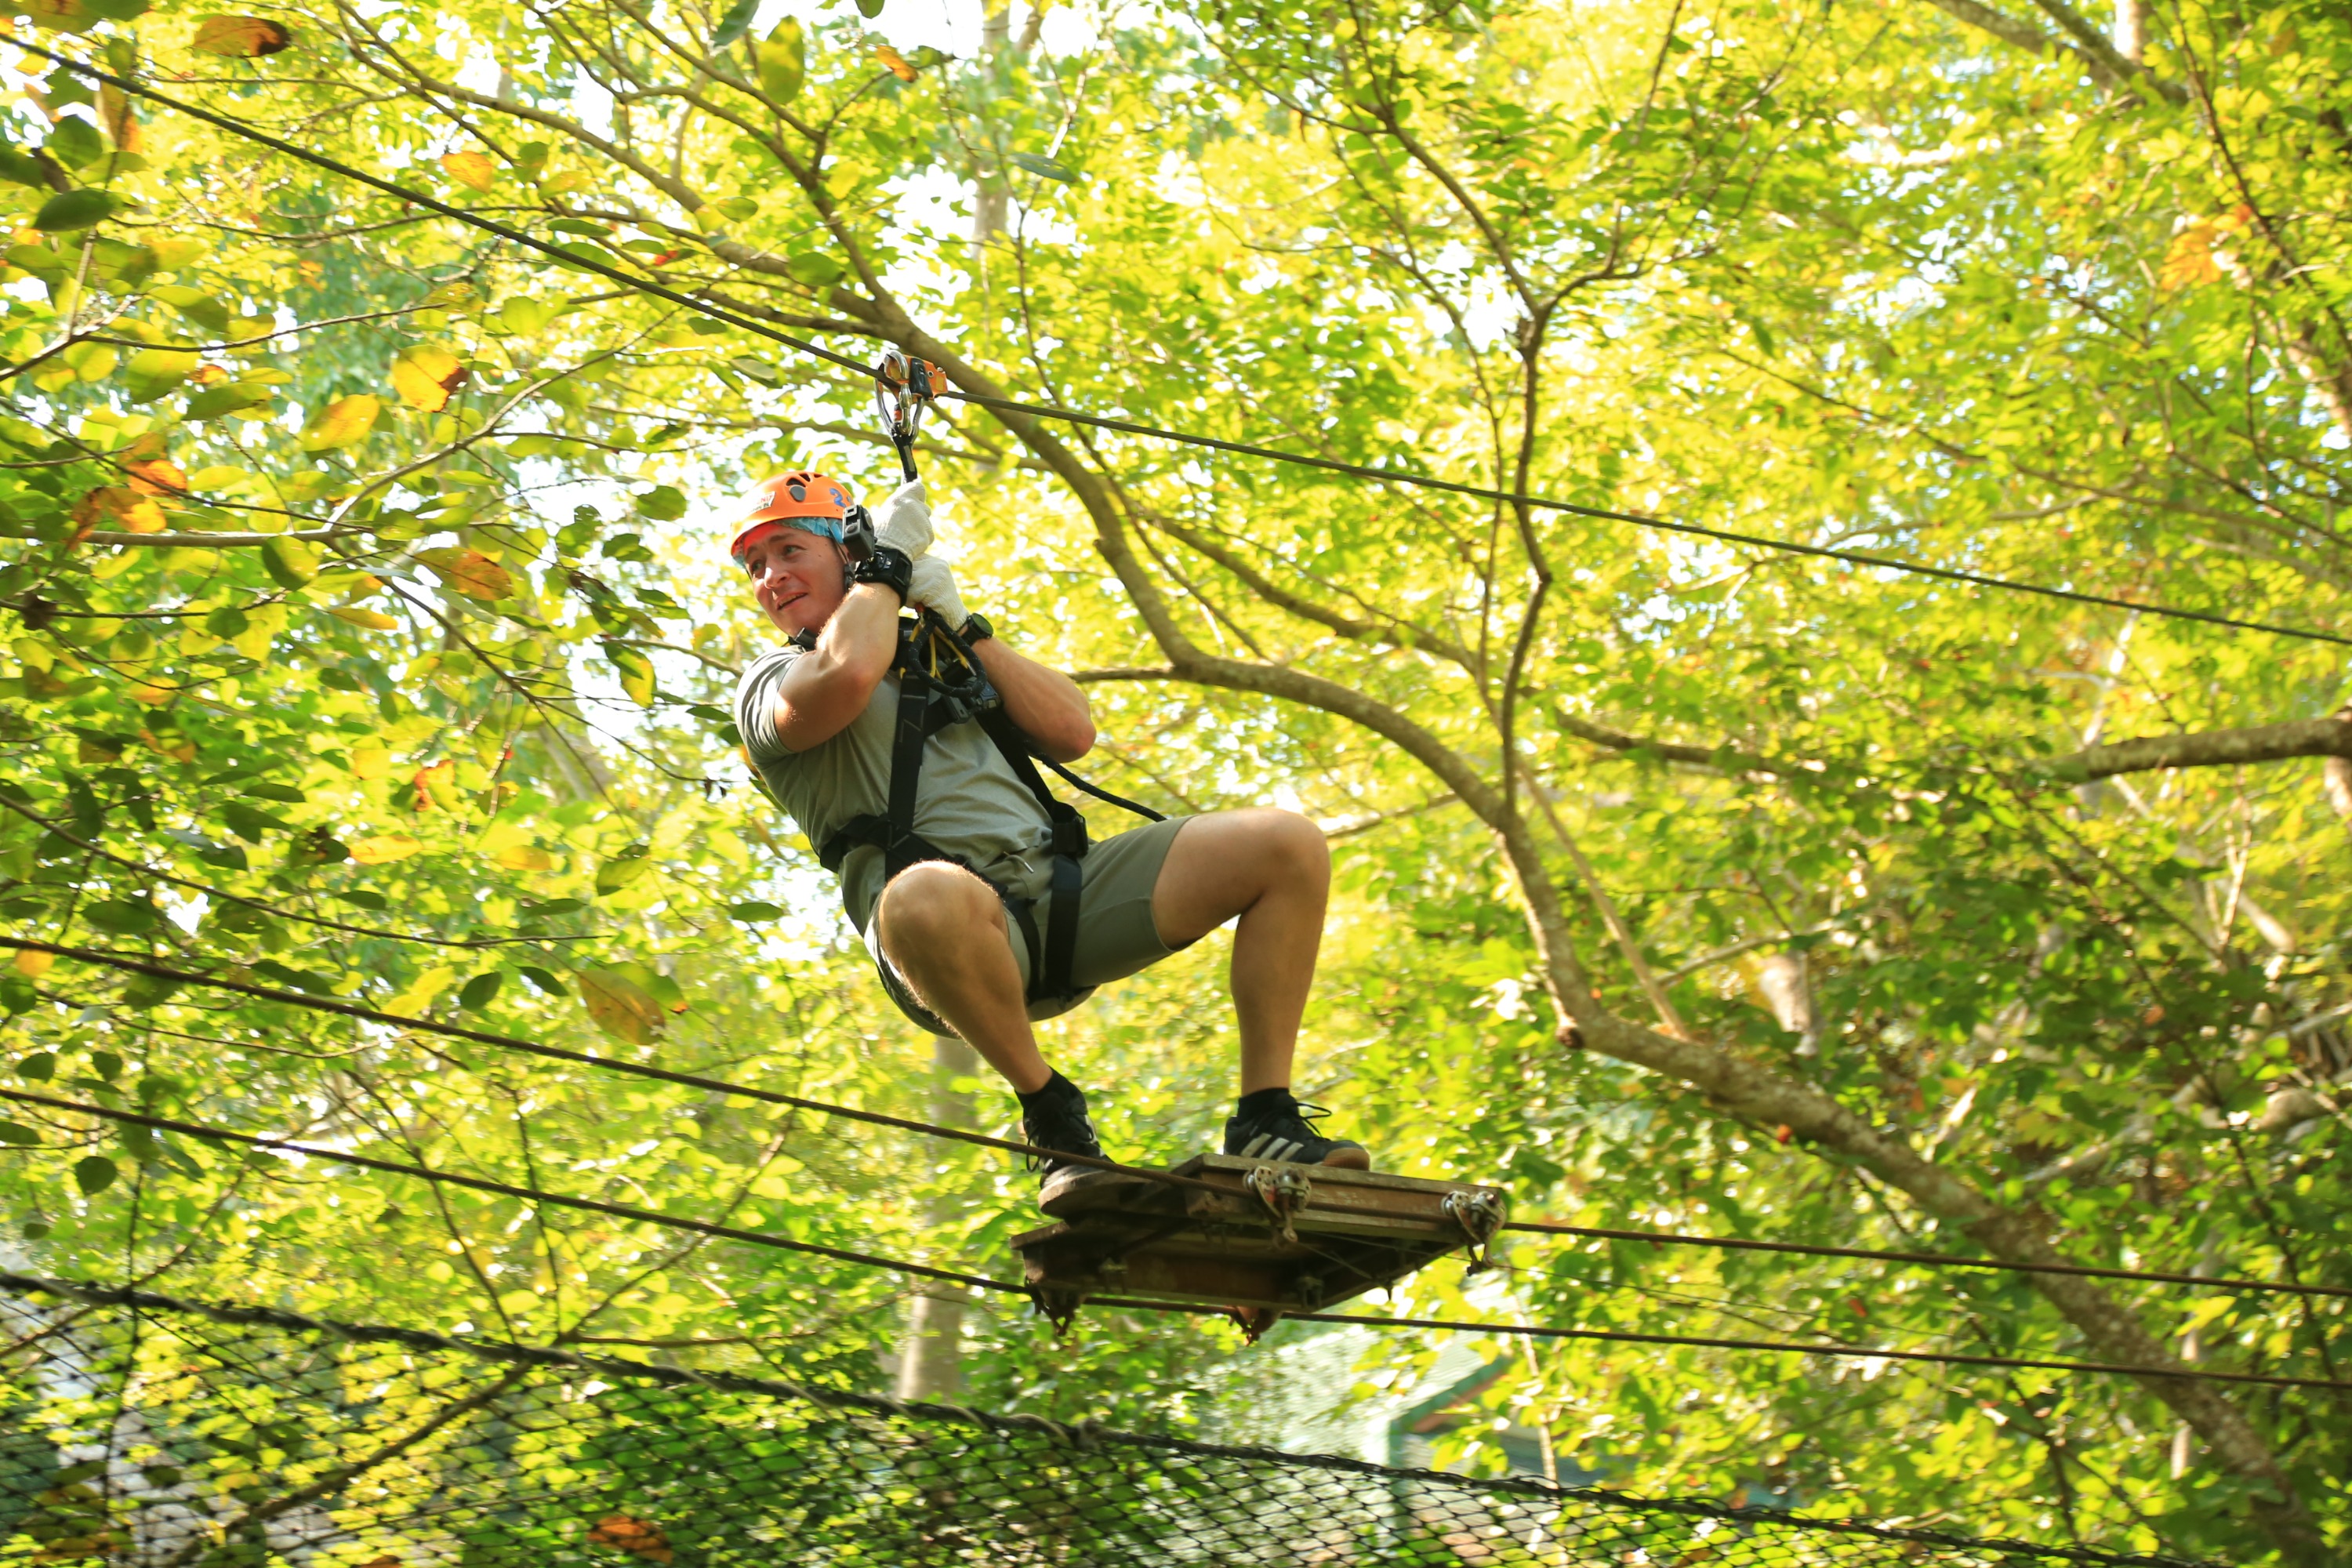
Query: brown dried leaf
[241,37]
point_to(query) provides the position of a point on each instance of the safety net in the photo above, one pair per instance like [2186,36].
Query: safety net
[136,1428]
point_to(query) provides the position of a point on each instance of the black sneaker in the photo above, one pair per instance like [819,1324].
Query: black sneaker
[1059,1123]
[1282,1132]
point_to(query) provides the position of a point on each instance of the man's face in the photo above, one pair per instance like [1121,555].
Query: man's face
[796,577]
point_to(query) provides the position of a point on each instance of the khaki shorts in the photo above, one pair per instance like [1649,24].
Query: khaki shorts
[1117,936]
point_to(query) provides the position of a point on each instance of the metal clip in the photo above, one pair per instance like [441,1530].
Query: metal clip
[903,388]
[1283,1191]
[1479,1212]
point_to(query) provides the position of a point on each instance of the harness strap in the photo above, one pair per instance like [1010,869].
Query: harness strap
[926,706]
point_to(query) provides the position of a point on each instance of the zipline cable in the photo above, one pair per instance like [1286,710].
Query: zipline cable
[1618,1336]
[508,1190]
[869,1260]
[574,257]
[1934,1260]
[583,1059]
[136,965]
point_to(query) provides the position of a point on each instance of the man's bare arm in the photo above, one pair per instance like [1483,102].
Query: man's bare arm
[1050,708]
[830,685]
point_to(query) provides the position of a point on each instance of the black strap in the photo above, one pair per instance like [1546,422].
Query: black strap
[934,693]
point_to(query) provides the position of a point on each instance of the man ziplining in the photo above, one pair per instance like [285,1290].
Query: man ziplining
[902,749]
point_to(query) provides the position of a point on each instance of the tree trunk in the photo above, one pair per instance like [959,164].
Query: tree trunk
[930,1360]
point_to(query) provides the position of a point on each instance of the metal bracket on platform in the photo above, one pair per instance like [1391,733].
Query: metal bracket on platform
[1283,1191]
[1480,1216]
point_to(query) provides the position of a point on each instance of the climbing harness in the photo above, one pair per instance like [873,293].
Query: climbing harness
[941,683]
[903,388]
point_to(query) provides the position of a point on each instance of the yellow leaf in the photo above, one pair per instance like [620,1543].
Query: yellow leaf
[359,617]
[217,476]
[895,61]
[428,986]
[524,857]
[156,477]
[384,848]
[620,1005]
[426,377]
[468,571]
[33,965]
[473,169]
[341,422]
[91,361]
[370,761]
[435,787]
[119,506]
[2190,260]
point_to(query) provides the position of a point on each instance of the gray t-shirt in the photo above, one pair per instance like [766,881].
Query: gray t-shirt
[968,800]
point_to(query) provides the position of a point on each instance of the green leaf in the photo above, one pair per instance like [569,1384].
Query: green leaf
[752,910]
[229,398]
[41,1067]
[1047,167]
[622,869]
[93,1173]
[123,917]
[480,991]
[636,670]
[70,210]
[813,268]
[200,309]
[734,24]
[291,563]
[783,61]
[249,823]
[547,983]
[19,1134]
[76,144]
[151,373]
[869,9]
[663,503]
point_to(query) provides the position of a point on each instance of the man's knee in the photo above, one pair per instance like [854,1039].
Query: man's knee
[1295,847]
[932,904]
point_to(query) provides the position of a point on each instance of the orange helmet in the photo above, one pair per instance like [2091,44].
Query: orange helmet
[802,498]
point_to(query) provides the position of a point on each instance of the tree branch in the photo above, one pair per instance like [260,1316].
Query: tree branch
[2330,737]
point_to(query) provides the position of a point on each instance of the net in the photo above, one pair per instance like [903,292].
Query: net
[140,1429]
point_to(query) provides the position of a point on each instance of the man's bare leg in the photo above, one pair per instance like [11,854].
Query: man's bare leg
[1273,868]
[943,931]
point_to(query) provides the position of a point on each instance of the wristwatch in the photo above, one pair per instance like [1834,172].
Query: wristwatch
[976,628]
[887,566]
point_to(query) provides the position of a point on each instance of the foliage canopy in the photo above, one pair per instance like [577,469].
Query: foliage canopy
[369,640]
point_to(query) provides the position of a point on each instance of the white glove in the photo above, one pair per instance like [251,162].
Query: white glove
[904,522]
[933,587]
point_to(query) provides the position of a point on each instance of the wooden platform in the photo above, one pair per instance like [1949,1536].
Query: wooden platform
[1263,1237]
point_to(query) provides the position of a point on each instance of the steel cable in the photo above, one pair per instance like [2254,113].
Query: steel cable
[871,1260]
[136,965]
[173,1330]
[573,256]
[506,1189]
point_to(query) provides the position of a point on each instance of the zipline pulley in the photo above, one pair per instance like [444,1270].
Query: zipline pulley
[903,387]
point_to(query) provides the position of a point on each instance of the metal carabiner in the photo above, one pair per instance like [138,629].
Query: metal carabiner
[903,388]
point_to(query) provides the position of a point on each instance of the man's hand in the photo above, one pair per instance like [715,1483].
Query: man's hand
[933,588]
[904,522]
